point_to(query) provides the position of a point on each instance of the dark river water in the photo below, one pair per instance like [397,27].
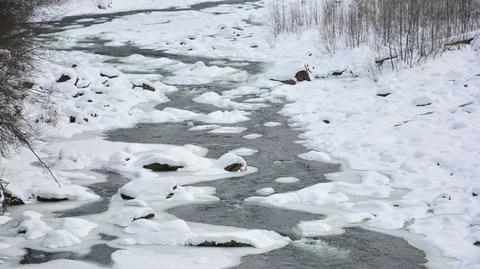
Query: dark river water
[277,156]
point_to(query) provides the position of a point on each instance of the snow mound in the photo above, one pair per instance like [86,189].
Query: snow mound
[60,239]
[32,225]
[149,189]
[131,214]
[78,227]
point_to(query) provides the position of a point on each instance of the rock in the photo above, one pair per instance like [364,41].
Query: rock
[51,200]
[160,167]
[126,197]
[11,200]
[231,244]
[302,76]
[64,78]
[145,86]
[72,119]
[233,167]
[78,94]
[383,94]
[288,82]
[232,162]
[326,121]
[149,216]
[170,195]
[27,85]
[476,243]
[338,73]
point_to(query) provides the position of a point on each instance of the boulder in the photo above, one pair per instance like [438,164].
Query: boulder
[302,76]
[338,73]
[51,199]
[230,244]
[162,167]
[145,86]
[64,78]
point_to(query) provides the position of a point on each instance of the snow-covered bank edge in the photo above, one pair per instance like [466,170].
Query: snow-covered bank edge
[404,127]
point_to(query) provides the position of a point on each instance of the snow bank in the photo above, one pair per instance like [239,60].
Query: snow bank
[419,126]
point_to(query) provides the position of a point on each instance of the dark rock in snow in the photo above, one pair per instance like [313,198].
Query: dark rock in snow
[302,76]
[126,197]
[326,121]
[477,243]
[64,78]
[338,73]
[108,76]
[288,82]
[149,216]
[231,244]
[51,200]
[383,94]
[72,119]
[145,86]
[170,195]
[161,167]
[234,167]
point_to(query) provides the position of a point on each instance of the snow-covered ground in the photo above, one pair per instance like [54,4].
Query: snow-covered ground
[408,140]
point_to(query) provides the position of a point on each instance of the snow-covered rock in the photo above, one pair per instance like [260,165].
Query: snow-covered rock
[149,189]
[232,162]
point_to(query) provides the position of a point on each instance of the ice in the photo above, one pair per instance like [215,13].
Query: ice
[228,130]
[316,156]
[252,136]
[265,191]
[272,124]
[244,151]
[287,180]
[226,117]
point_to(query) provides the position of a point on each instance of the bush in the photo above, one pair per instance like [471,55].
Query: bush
[404,30]
[17,57]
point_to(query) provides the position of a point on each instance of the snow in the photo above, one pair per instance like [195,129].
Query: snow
[33,226]
[77,226]
[149,188]
[130,214]
[60,239]
[409,159]
[228,159]
[177,232]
